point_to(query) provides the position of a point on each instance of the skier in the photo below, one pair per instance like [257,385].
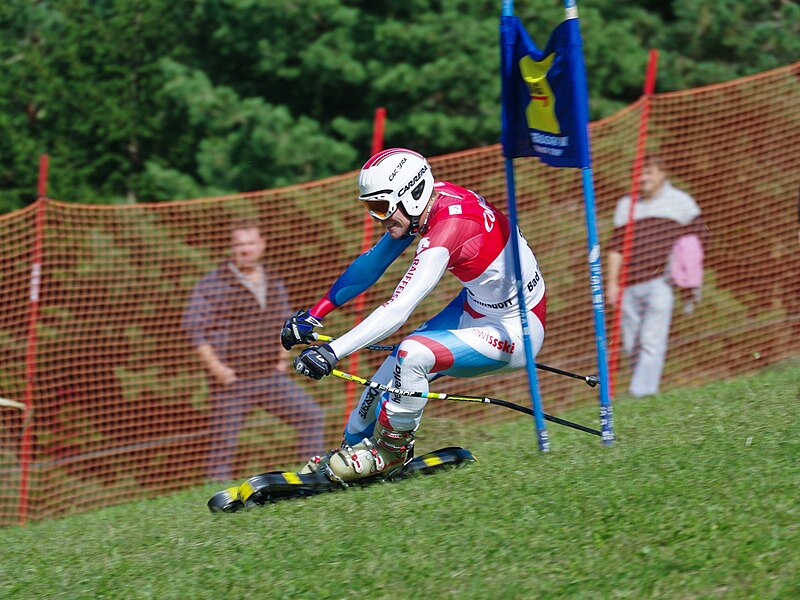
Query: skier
[479,332]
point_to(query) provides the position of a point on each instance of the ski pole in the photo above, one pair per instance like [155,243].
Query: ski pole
[459,398]
[591,380]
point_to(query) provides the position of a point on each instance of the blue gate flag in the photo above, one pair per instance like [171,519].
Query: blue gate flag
[545,99]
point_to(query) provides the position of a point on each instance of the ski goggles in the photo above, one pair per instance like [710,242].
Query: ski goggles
[380,209]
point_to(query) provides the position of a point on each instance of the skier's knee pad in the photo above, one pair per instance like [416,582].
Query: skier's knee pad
[415,357]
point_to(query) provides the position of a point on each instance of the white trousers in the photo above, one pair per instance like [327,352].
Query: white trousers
[646,318]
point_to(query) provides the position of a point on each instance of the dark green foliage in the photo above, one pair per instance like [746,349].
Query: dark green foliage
[158,100]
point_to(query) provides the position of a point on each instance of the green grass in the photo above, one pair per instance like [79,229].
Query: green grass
[699,498]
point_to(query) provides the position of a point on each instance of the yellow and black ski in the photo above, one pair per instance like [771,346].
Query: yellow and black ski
[274,486]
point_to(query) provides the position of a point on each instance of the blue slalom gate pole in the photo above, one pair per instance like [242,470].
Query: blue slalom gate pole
[598,308]
[530,360]
[595,281]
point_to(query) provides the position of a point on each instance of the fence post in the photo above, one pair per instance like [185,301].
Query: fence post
[366,242]
[30,355]
[649,90]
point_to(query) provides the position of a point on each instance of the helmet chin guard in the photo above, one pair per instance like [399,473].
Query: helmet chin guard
[396,178]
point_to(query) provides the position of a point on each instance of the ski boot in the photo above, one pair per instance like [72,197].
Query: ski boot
[382,454]
[318,463]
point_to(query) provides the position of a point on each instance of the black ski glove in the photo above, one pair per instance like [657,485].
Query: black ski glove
[316,362]
[299,329]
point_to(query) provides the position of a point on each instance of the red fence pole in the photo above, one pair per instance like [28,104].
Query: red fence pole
[30,355]
[649,90]
[44,166]
[366,243]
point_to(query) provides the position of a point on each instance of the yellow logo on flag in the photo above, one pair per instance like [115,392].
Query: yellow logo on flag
[541,111]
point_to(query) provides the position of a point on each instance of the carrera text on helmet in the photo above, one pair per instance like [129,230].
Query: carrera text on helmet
[413,182]
[397,168]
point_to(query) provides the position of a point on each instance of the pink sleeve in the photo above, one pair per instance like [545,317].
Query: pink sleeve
[686,267]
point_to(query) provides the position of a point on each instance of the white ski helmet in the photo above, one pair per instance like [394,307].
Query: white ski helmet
[396,177]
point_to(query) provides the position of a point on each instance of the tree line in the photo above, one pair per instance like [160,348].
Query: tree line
[164,99]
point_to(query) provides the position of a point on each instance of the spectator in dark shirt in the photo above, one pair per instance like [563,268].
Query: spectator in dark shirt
[231,320]
[662,214]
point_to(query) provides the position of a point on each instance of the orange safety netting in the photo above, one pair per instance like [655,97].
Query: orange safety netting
[119,400]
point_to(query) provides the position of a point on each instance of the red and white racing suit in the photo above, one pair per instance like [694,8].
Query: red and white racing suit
[479,332]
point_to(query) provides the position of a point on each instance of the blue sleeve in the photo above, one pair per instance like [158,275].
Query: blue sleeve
[199,315]
[364,271]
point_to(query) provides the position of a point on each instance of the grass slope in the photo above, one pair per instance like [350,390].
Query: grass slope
[698,499]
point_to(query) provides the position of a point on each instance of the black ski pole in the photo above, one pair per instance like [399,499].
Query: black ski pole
[460,398]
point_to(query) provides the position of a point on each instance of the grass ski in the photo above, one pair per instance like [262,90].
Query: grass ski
[271,487]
